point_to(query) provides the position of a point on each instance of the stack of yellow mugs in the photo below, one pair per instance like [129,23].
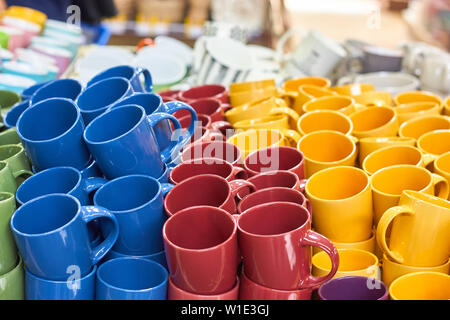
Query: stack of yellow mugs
[377,171]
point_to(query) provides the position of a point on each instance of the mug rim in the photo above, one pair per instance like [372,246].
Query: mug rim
[189,210]
[129,177]
[367,187]
[126,101]
[191,147]
[44,172]
[276,172]
[108,285]
[352,153]
[95,79]
[58,282]
[318,100]
[412,275]
[215,161]
[19,149]
[49,84]
[374,258]
[361,278]
[262,236]
[420,93]
[182,94]
[393,118]
[423,197]
[8,194]
[292,149]
[424,118]
[437,162]
[108,113]
[24,114]
[54,230]
[174,287]
[17,266]
[378,151]
[327,111]
[426,135]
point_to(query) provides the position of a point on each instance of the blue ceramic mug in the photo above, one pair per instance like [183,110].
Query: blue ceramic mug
[51,234]
[130,73]
[63,88]
[28,92]
[131,279]
[100,96]
[52,134]
[15,112]
[65,180]
[159,257]
[92,170]
[74,288]
[137,201]
[152,103]
[123,143]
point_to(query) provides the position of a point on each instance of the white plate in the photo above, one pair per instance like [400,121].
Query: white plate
[230,53]
[164,69]
[177,47]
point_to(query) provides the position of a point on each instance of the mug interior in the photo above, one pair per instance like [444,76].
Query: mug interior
[392,156]
[273,219]
[337,183]
[325,120]
[206,91]
[443,163]
[349,260]
[149,101]
[126,72]
[206,106]
[256,139]
[48,120]
[271,195]
[102,94]
[64,88]
[417,127]
[127,193]
[45,214]
[56,180]
[205,190]
[284,179]
[114,124]
[199,228]
[4,196]
[191,169]
[352,288]
[271,159]
[9,151]
[328,103]
[421,286]
[326,146]
[436,143]
[371,118]
[132,274]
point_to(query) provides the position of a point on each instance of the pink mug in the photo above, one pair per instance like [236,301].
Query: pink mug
[213,91]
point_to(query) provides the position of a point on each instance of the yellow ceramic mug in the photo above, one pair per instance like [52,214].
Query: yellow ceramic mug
[447,107]
[393,270]
[256,139]
[434,143]
[260,109]
[374,99]
[341,200]
[343,104]
[391,156]
[409,111]
[247,92]
[421,286]
[417,96]
[366,245]
[325,149]
[420,230]
[324,120]
[306,93]
[375,122]
[389,183]
[277,121]
[442,166]
[417,127]
[369,145]
[352,263]
[294,84]
[353,89]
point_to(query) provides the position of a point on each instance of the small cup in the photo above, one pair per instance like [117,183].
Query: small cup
[324,120]
[417,96]
[417,127]
[369,145]
[434,143]
[375,122]
[354,288]
[343,104]
[352,262]
[421,286]
[131,279]
[63,88]
[409,111]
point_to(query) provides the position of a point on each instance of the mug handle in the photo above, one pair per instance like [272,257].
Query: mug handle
[288,96]
[315,239]
[237,186]
[174,106]
[280,56]
[291,136]
[166,187]
[442,184]
[175,145]
[286,111]
[428,159]
[91,213]
[222,126]
[148,82]
[382,228]
[21,173]
[93,184]
[239,173]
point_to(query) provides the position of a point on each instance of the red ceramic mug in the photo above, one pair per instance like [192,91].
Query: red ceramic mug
[213,91]
[202,134]
[273,179]
[275,158]
[213,149]
[175,293]
[202,119]
[275,241]
[202,250]
[197,167]
[250,290]
[170,94]
[273,195]
[210,107]
[205,190]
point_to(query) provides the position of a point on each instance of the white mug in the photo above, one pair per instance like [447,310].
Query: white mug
[316,54]
[435,72]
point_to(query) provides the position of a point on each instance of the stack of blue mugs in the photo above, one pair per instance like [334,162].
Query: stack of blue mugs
[89,221]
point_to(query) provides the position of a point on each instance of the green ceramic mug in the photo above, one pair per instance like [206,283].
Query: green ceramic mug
[8,249]
[9,136]
[17,160]
[10,182]
[8,99]
[12,283]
